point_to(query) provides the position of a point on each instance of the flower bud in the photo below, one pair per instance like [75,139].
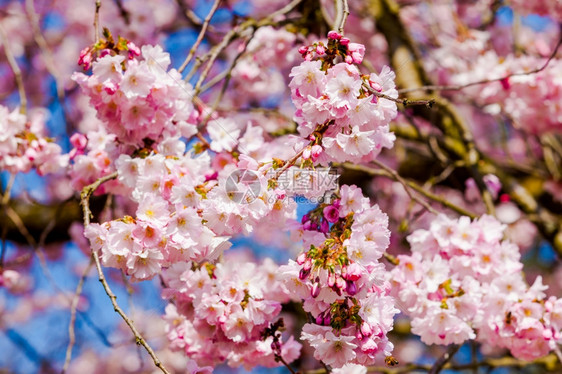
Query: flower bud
[315,290]
[358,335]
[341,284]
[344,41]
[303,49]
[307,153]
[301,258]
[334,35]
[316,151]
[276,346]
[366,329]
[303,274]
[331,280]
[354,272]
[351,288]
[327,319]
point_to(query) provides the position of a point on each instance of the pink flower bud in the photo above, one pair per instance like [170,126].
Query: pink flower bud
[307,264]
[354,272]
[327,319]
[79,141]
[334,35]
[331,280]
[348,59]
[315,290]
[358,335]
[341,284]
[301,258]
[366,329]
[324,226]
[320,319]
[357,52]
[303,274]
[344,41]
[316,151]
[320,49]
[276,346]
[351,288]
[133,50]
[375,86]
[306,154]
[505,83]
[303,50]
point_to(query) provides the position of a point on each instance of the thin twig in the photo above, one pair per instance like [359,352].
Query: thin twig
[215,51]
[401,180]
[44,47]
[411,184]
[447,356]
[85,201]
[282,360]
[73,308]
[406,102]
[232,35]
[319,129]
[200,36]
[15,69]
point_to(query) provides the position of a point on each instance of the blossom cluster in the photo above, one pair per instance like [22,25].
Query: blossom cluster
[225,312]
[341,283]
[462,281]
[139,101]
[531,101]
[327,92]
[186,211]
[24,146]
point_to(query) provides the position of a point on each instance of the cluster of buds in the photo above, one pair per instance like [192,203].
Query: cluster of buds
[338,45]
[107,46]
[320,218]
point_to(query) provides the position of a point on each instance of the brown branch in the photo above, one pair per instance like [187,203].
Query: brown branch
[404,184]
[406,102]
[446,357]
[410,184]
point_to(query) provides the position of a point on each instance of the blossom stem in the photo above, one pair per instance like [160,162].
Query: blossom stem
[73,308]
[200,36]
